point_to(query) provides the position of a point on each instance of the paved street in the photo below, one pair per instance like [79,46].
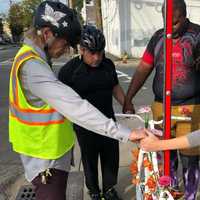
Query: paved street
[11,172]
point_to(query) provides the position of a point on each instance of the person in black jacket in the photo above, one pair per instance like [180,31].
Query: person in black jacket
[94,78]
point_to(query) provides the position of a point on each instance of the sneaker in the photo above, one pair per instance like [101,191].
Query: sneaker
[111,194]
[95,196]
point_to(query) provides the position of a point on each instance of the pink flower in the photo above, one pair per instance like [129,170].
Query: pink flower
[145,109]
[184,110]
[164,181]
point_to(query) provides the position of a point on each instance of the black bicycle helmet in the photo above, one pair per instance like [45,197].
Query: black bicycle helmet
[92,39]
[62,20]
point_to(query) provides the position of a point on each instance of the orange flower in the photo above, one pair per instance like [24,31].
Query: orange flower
[133,168]
[148,196]
[150,167]
[135,153]
[135,181]
[146,162]
[151,183]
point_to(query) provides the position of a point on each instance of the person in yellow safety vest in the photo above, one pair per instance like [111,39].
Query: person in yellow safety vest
[41,108]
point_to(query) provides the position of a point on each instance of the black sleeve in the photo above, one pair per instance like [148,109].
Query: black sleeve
[116,81]
[153,41]
[66,72]
[196,48]
[113,71]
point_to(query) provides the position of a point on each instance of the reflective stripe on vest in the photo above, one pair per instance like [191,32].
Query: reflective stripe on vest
[16,65]
[30,116]
[35,118]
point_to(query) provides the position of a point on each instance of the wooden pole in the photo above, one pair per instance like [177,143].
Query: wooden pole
[98,14]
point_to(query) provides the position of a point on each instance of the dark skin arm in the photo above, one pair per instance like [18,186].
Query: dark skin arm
[119,95]
[142,73]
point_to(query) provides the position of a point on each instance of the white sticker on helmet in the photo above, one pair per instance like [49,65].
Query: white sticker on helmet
[52,16]
[65,24]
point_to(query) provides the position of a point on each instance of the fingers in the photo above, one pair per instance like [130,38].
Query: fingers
[137,134]
[153,133]
[128,108]
[148,132]
[149,143]
[129,112]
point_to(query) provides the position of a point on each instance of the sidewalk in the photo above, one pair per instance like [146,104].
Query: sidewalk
[131,62]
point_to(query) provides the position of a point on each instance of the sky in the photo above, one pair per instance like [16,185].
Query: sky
[4,5]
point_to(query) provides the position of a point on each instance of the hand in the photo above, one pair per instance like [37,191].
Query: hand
[149,143]
[128,108]
[137,134]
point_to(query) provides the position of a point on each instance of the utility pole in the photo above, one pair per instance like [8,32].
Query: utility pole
[98,14]
[71,3]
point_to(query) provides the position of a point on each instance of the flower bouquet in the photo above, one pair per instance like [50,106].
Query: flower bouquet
[147,171]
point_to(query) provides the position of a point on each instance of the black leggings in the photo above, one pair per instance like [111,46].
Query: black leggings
[92,147]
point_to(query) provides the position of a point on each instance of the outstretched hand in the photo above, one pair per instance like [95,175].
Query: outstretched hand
[149,143]
[137,134]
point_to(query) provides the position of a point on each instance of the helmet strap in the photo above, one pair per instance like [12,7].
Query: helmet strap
[48,43]
[46,50]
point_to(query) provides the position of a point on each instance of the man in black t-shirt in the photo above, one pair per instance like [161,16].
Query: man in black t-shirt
[185,88]
[94,78]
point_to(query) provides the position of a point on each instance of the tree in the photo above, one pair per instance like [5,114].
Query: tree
[20,16]
[15,20]
[29,7]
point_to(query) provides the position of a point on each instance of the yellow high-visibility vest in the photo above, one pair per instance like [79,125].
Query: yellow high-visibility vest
[39,132]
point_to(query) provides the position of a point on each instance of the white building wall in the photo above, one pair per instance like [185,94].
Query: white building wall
[111,26]
[129,24]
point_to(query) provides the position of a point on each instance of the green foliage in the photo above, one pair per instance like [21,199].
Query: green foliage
[78,5]
[20,15]
[29,7]
[15,19]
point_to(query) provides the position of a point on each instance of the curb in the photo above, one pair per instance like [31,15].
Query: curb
[8,179]
[129,63]
[3,47]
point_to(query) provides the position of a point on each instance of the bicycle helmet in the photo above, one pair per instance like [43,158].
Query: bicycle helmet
[92,39]
[62,20]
